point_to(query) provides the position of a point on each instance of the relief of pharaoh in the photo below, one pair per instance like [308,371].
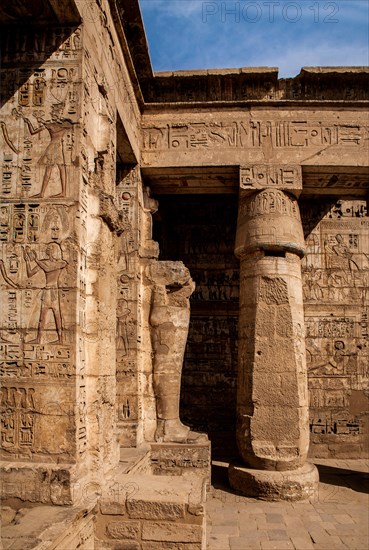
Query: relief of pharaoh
[52,265]
[169,320]
[54,154]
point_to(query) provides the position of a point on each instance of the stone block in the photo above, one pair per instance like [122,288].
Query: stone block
[171,532]
[46,483]
[146,509]
[116,545]
[299,484]
[123,529]
[151,545]
[176,459]
[40,526]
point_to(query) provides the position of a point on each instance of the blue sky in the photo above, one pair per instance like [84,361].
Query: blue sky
[201,34]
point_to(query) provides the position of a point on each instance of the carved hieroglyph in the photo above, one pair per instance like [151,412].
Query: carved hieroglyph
[336,278]
[55,314]
[40,261]
[169,320]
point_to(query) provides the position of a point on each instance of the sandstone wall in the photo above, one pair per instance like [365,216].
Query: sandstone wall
[69,116]
[336,277]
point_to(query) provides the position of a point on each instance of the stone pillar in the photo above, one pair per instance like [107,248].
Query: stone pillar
[272,394]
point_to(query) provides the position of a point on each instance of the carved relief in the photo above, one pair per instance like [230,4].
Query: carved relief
[252,134]
[52,265]
[38,130]
[336,275]
[128,320]
[17,418]
[259,176]
[39,261]
[56,152]
[269,202]
[273,290]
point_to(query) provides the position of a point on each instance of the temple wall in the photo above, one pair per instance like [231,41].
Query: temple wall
[336,276]
[63,91]
[76,348]
[43,281]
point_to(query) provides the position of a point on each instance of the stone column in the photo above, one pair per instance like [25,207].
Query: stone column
[272,394]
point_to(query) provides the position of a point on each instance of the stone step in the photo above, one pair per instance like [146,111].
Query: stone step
[143,512]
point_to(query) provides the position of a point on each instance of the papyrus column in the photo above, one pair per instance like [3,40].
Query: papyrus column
[272,395]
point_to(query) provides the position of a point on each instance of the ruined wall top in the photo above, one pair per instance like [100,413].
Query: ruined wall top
[313,84]
[242,85]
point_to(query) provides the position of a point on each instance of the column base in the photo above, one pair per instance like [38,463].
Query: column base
[299,484]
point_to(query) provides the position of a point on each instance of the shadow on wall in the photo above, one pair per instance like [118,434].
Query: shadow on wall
[200,231]
[29,48]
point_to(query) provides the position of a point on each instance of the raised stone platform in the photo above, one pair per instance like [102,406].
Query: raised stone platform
[151,512]
[132,509]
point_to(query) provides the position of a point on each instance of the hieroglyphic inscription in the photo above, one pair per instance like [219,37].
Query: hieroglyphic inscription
[268,202]
[17,417]
[35,361]
[253,134]
[129,300]
[39,137]
[40,112]
[259,176]
[336,277]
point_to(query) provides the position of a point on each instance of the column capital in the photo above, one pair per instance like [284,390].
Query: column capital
[269,220]
[285,177]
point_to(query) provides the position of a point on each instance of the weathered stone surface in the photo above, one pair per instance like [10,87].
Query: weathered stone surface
[272,398]
[44,483]
[154,510]
[171,532]
[121,545]
[41,527]
[170,545]
[123,529]
[298,484]
[170,459]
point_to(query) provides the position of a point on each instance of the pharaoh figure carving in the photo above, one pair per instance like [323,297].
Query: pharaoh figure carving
[169,320]
[54,154]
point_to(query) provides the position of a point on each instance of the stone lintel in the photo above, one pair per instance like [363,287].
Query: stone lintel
[256,177]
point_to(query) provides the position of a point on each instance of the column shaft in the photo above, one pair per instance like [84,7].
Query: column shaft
[272,395]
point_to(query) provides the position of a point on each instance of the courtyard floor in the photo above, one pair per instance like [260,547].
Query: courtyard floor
[339,519]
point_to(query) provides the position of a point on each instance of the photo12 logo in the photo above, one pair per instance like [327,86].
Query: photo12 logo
[253,12]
